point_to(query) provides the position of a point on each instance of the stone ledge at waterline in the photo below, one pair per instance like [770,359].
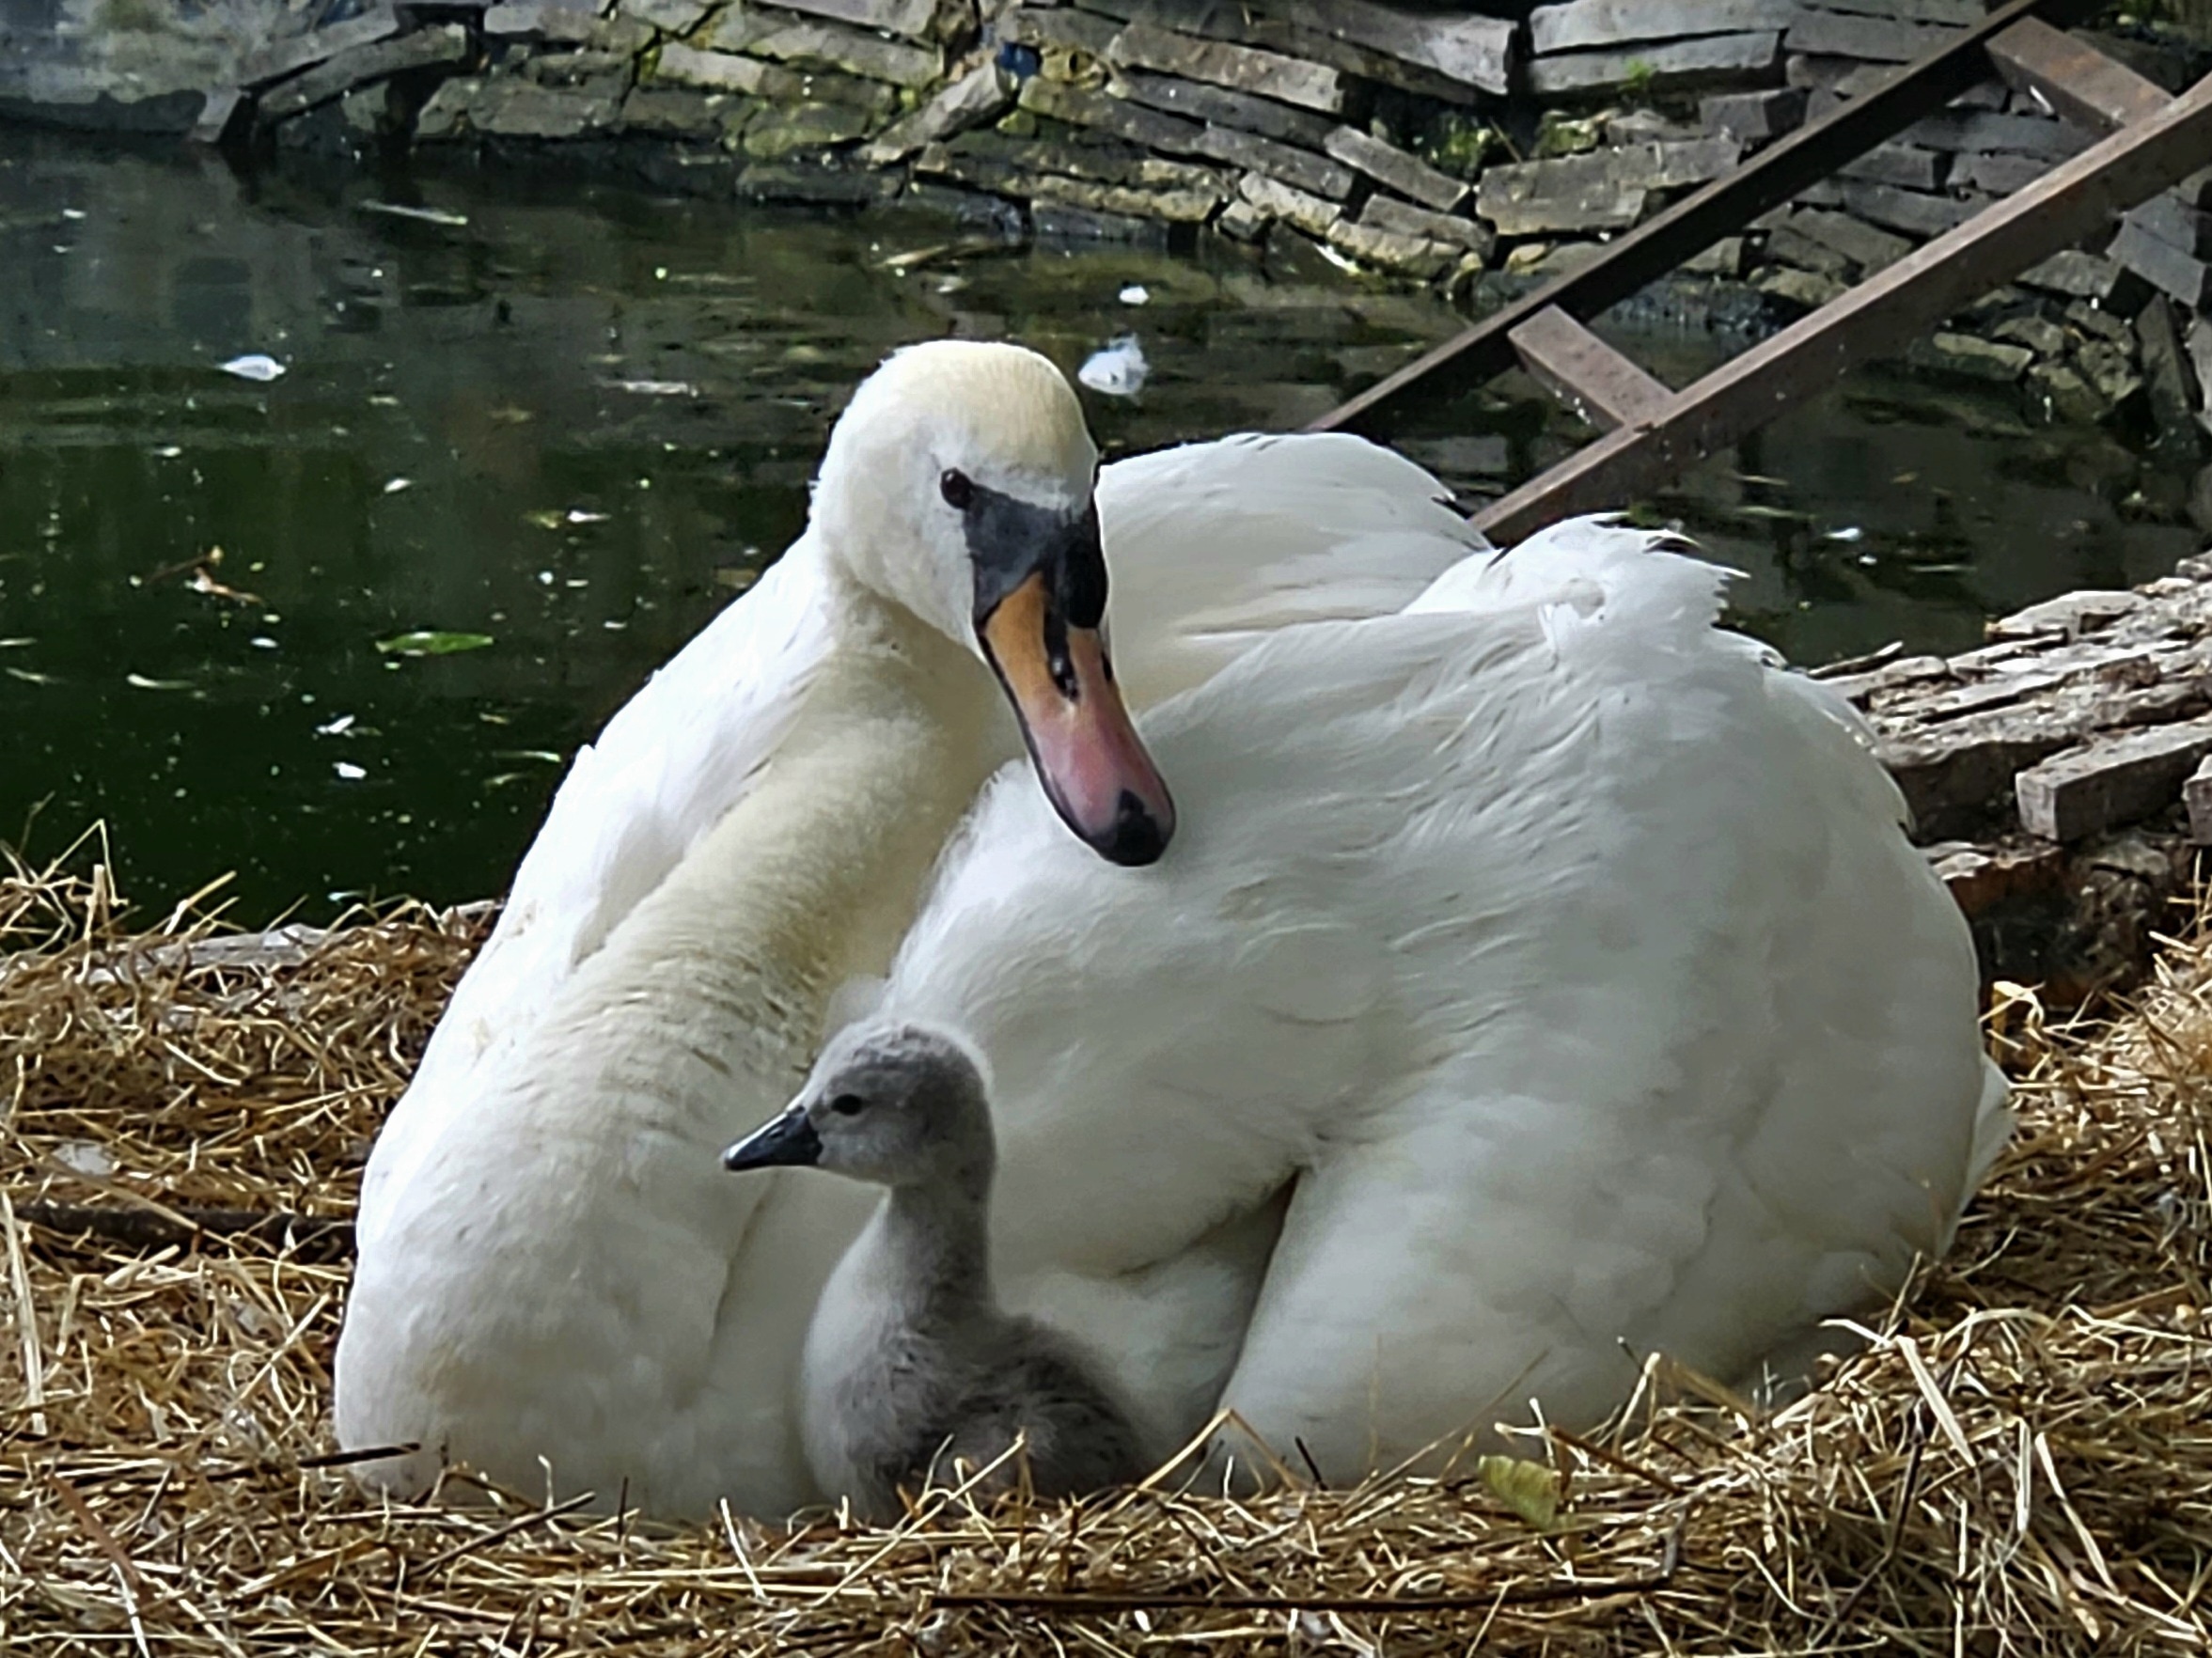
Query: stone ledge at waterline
[1480,148]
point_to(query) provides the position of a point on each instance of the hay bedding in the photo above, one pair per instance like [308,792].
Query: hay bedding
[2022,1462]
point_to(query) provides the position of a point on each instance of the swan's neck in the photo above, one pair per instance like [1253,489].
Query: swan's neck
[815,875]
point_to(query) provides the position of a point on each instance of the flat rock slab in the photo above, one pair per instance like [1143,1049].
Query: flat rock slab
[723,72]
[1871,40]
[1386,212]
[1197,100]
[1605,190]
[1609,24]
[966,101]
[1409,175]
[1474,51]
[1242,69]
[338,75]
[910,18]
[2084,791]
[1751,116]
[1678,65]
[280,58]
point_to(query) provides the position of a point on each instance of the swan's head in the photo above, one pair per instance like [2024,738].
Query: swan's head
[894,1103]
[958,484]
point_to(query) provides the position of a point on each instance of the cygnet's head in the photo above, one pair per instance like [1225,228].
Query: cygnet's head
[958,484]
[892,1104]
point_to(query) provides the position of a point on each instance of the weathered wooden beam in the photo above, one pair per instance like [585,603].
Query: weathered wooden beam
[1721,209]
[1878,316]
[2078,82]
[1602,385]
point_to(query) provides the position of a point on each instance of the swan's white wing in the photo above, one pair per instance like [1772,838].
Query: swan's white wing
[1567,953]
[1214,546]
[668,766]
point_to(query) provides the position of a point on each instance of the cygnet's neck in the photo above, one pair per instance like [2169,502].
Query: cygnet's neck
[934,1249]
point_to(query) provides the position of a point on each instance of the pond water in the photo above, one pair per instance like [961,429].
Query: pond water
[576,418]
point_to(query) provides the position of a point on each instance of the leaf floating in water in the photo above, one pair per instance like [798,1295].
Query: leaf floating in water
[432,642]
[1135,294]
[348,771]
[140,682]
[17,643]
[542,756]
[427,215]
[1530,1490]
[393,486]
[548,519]
[32,677]
[337,727]
[1119,371]
[657,388]
[1848,533]
[736,578]
[252,366]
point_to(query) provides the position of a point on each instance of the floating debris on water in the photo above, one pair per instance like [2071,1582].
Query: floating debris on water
[142,682]
[1119,371]
[1135,294]
[1849,533]
[348,771]
[252,366]
[655,388]
[432,642]
[427,215]
[337,727]
[394,485]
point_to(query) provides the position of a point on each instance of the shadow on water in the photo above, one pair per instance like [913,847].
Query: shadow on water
[576,418]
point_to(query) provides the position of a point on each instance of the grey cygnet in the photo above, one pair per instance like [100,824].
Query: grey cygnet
[911,1362]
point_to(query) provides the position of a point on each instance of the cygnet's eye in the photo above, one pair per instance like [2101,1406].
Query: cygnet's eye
[849,1105]
[959,492]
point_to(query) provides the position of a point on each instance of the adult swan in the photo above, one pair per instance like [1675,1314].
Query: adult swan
[1538,973]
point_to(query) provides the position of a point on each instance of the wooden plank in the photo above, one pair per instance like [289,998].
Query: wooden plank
[1879,317]
[1602,385]
[2074,81]
[2104,784]
[1721,209]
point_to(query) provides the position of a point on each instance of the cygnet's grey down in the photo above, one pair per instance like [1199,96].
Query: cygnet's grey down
[910,1363]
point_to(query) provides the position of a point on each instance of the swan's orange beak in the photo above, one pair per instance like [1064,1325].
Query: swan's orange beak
[1092,764]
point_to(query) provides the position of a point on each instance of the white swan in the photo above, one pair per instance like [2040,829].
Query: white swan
[1549,968]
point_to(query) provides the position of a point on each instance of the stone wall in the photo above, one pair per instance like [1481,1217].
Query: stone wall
[1474,152]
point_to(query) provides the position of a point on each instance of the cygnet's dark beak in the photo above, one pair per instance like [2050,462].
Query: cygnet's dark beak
[788,1142]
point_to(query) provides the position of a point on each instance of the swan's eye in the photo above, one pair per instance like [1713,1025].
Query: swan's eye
[851,1105]
[959,492]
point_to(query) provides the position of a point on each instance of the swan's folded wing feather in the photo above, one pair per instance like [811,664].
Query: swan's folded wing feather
[667,769]
[1214,546]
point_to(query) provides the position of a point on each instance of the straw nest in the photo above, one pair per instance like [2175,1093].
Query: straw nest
[2020,1462]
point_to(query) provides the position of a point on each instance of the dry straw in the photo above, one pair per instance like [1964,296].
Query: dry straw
[2021,1463]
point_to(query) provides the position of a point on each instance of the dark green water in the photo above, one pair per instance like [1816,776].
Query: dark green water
[577,420]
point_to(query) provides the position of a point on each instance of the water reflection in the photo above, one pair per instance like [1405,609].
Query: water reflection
[577,418]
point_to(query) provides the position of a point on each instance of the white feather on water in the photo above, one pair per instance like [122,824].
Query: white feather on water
[1118,371]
